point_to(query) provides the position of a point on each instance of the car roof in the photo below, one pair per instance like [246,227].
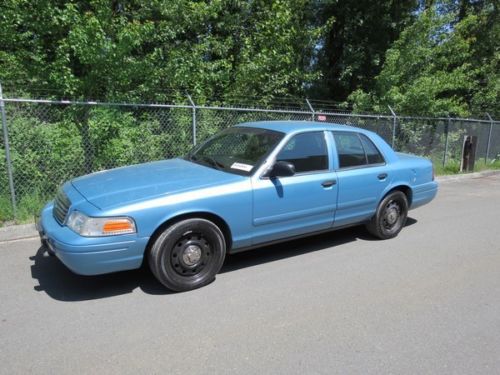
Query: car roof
[293,126]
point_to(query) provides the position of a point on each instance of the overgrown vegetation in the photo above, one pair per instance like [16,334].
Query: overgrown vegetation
[433,57]
[453,166]
[447,62]
[51,144]
[420,57]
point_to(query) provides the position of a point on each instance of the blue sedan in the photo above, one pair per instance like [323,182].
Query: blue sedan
[249,185]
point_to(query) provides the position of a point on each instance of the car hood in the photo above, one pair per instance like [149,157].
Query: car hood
[140,182]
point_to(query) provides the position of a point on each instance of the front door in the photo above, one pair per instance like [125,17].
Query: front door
[302,203]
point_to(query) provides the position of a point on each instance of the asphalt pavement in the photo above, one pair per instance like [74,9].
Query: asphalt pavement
[427,302]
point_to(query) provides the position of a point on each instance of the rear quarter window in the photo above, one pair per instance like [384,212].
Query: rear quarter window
[373,155]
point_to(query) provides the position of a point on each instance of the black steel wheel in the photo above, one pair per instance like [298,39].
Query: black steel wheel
[188,254]
[390,217]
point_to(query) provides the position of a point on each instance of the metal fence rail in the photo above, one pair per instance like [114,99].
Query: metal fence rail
[47,142]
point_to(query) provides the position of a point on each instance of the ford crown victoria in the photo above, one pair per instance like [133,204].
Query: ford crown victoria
[250,185]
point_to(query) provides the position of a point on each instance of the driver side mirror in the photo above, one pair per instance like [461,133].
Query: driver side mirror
[281,169]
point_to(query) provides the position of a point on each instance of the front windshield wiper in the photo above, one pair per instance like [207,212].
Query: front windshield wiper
[210,160]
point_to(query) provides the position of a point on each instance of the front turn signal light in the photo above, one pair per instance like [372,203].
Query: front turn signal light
[119,226]
[100,226]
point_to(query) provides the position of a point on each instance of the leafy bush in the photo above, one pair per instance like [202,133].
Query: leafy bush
[51,146]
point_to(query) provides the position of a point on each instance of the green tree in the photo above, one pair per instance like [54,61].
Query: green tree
[277,47]
[159,50]
[446,63]
[352,51]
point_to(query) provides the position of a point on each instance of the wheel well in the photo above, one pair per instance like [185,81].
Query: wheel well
[199,215]
[406,190]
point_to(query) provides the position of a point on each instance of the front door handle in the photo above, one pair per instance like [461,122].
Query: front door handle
[382,176]
[328,183]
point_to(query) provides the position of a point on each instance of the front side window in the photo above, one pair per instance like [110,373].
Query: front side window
[236,150]
[307,152]
[356,150]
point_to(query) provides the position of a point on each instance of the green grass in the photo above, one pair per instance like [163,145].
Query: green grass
[27,206]
[482,166]
[5,209]
[453,167]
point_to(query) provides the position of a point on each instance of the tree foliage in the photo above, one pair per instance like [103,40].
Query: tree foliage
[431,57]
[136,50]
[445,63]
[353,48]
[437,57]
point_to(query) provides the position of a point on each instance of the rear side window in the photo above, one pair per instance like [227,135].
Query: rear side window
[306,151]
[356,150]
[373,155]
[350,150]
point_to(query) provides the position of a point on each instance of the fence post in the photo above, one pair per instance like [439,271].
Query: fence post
[313,113]
[7,153]
[194,118]
[489,139]
[395,118]
[446,134]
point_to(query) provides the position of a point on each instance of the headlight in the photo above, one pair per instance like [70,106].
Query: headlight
[99,226]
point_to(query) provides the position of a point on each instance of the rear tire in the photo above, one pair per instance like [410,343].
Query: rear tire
[188,254]
[390,217]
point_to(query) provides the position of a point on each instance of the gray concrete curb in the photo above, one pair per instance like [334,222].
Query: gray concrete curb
[454,177]
[17,232]
[24,231]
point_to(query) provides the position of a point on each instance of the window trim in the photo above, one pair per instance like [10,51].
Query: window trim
[367,165]
[285,141]
[360,136]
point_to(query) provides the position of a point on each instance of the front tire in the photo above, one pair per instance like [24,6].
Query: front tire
[390,217]
[188,254]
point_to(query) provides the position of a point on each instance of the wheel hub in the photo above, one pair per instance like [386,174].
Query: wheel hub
[191,255]
[392,216]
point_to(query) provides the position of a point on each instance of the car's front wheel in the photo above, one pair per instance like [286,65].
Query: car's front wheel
[188,254]
[390,217]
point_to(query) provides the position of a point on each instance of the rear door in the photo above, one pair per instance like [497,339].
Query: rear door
[362,175]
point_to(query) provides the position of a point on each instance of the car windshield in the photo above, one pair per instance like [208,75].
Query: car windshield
[236,150]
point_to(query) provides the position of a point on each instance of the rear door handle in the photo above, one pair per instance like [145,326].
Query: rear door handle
[328,183]
[382,176]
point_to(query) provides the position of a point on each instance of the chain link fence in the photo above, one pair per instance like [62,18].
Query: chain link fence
[45,143]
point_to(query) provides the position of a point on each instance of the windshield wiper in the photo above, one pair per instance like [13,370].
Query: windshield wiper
[208,159]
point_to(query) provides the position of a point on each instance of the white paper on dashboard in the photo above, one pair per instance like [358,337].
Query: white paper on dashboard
[242,167]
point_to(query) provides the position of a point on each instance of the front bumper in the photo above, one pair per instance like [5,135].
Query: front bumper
[89,255]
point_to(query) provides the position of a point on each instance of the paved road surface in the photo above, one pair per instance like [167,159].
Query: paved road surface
[427,302]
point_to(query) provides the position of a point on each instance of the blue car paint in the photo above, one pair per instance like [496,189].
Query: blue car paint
[292,206]
[127,185]
[255,209]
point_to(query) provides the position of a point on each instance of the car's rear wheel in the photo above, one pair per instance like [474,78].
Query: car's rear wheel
[188,254]
[390,217]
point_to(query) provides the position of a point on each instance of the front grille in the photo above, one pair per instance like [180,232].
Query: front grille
[61,207]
